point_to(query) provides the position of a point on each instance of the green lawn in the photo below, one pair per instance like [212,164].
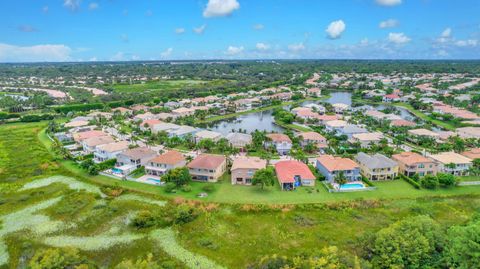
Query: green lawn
[164,85]
[426,117]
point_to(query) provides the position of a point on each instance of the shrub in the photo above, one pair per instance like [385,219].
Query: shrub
[170,187]
[59,258]
[186,188]
[410,181]
[144,219]
[185,214]
[207,243]
[429,182]
[367,181]
[446,180]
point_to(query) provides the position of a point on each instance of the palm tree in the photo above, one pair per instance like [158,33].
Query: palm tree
[340,179]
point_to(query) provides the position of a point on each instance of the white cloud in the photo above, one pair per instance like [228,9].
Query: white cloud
[93,6]
[73,5]
[93,59]
[398,38]
[390,23]
[119,56]
[445,36]
[388,3]
[37,53]
[296,47]
[335,29]
[262,46]
[467,43]
[135,57]
[442,53]
[258,26]
[232,50]
[199,30]
[180,31]
[220,8]
[166,53]
[124,38]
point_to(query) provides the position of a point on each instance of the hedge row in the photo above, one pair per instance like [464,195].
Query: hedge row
[410,181]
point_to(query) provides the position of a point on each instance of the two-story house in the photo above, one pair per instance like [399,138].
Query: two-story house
[161,164]
[207,167]
[109,151]
[292,174]
[411,163]
[281,142]
[332,167]
[131,159]
[243,169]
[452,163]
[377,166]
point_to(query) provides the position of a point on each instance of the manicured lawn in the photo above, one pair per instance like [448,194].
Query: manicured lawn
[163,85]
[469,178]
[426,117]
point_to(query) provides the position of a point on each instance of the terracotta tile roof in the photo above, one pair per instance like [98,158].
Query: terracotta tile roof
[450,157]
[207,161]
[332,163]
[287,171]
[171,157]
[98,140]
[410,158]
[248,163]
[151,122]
[112,147]
[312,136]
[137,153]
[400,123]
[279,138]
[327,117]
[472,154]
[88,134]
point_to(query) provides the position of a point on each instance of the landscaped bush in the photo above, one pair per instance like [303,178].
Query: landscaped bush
[410,181]
[367,181]
[187,188]
[170,187]
[36,118]
[429,182]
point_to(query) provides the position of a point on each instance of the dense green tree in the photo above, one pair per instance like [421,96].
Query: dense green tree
[429,182]
[179,176]
[446,180]
[264,177]
[415,242]
[463,248]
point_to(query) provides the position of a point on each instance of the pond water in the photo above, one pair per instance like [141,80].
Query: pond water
[264,120]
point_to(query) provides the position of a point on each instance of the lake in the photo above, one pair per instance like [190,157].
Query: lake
[263,121]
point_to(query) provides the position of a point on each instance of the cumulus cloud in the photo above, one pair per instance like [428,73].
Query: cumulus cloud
[180,31]
[73,5]
[36,53]
[390,23]
[262,46]
[220,8]
[335,29]
[467,43]
[296,47]
[166,53]
[119,56]
[93,6]
[445,36]
[388,3]
[199,30]
[232,50]
[258,26]
[398,38]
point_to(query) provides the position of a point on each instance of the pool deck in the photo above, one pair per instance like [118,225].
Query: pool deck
[144,179]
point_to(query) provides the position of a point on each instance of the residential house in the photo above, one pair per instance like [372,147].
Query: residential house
[183,111]
[313,138]
[164,127]
[472,154]
[335,125]
[292,174]
[207,167]
[367,139]
[90,144]
[281,142]
[239,140]
[161,164]
[109,151]
[452,163]
[73,124]
[183,131]
[131,159]
[468,132]
[423,133]
[205,134]
[331,167]
[148,124]
[377,166]
[340,108]
[80,136]
[402,123]
[351,129]
[243,169]
[391,98]
[314,92]
[411,163]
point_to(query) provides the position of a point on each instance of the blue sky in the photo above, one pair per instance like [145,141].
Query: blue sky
[104,30]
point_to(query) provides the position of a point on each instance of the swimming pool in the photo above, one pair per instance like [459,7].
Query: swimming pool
[154,181]
[116,171]
[350,186]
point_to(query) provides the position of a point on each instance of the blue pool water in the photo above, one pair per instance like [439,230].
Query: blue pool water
[352,186]
[116,171]
[154,180]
